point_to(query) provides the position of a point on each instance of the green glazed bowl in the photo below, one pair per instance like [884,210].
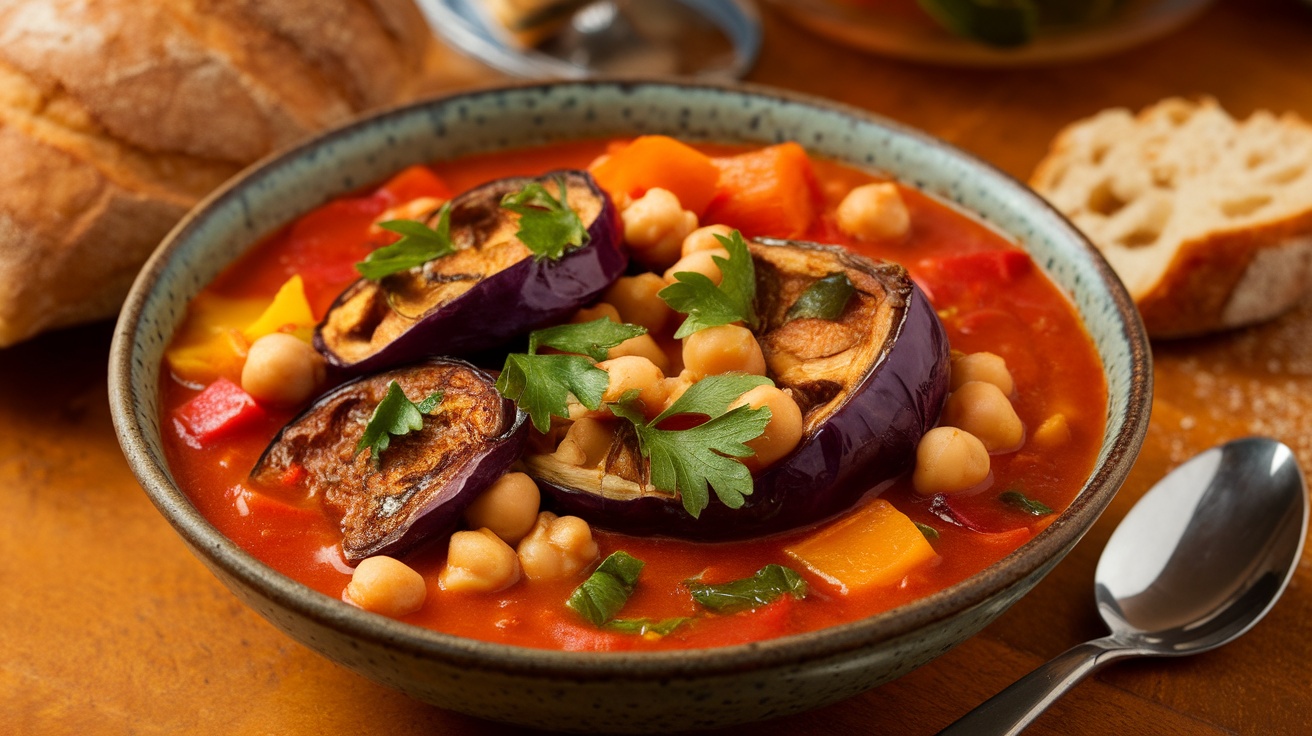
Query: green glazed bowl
[618,692]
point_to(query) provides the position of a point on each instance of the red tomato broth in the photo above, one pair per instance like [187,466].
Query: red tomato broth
[294,537]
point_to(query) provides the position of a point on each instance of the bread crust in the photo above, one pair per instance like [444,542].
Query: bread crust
[116,116]
[1208,220]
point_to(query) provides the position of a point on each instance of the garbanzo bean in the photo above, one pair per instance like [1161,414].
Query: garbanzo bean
[983,410]
[703,238]
[387,586]
[986,367]
[949,460]
[874,211]
[655,225]
[636,299]
[478,561]
[596,312]
[508,507]
[282,369]
[782,433]
[584,445]
[722,349]
[557,547]
[702,262]
[643,346]
[634,372]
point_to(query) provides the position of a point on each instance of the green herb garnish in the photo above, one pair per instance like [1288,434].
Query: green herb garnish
[394,416]
[1028,505]
[643,626]
[547,226]
[826,298]
[418,245]
[1001,23]
[607,589]
[929,532]
[688,462]
[708,305]
[542,384]
[766,586]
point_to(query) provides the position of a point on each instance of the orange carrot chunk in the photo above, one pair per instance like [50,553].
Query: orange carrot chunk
[874,546]
[657,161]
[770,192]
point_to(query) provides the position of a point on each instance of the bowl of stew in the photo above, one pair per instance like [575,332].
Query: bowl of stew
[628,406]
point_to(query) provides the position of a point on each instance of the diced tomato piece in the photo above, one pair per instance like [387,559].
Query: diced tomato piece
[222,408]
[412,183]
[954,280]
[769,192]
[657,161]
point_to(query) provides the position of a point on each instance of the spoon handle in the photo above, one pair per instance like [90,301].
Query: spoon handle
[1011,710]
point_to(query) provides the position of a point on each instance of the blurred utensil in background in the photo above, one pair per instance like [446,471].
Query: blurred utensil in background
[573,39]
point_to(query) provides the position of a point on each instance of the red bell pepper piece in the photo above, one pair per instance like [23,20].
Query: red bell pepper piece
[222,408]
[951,279]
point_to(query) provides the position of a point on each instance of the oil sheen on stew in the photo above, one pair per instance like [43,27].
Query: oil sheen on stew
[987,294]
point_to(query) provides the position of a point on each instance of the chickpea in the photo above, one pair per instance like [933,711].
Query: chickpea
[508,507]
[949,460]
[722,349]
[633,372]
[479,561]
[983,410]
[703,238]
[282,369]
[594,313]
[584,446]
[655,225]
[781,434]
[702,262]
[986,367]
[387,586]
[636,298]
[557,547]
[642,346]
[676,386]
[874,212]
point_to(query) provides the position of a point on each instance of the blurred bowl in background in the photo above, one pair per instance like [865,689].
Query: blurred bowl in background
[972,33]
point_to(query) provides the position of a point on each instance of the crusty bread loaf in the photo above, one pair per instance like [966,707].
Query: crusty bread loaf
[117,115]
[1206,219]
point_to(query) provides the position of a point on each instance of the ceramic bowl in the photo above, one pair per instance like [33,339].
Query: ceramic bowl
[613,692]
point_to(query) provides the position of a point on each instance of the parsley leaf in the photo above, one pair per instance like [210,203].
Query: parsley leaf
[592,339]
[644,626]
[708,305]
[689,462]
[765,587]
[927,531]
[394,416]
[542,384]
[825,298]
[418,245]
[607,589]
[547,226]
[1028,505]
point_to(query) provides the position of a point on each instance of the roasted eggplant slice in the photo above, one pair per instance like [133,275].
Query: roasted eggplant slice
[424,480]
[488,291]
[869,382]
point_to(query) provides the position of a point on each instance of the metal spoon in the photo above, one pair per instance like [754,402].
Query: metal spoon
[1196,563]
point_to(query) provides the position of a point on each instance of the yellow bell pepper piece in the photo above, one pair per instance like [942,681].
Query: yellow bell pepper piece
[210,343]
[289,312]
[876,546]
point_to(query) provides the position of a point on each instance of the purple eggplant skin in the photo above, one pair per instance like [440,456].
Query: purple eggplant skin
[862,446]
[523,296]
[424,481]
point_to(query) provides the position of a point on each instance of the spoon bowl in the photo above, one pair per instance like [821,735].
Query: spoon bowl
[1197,562]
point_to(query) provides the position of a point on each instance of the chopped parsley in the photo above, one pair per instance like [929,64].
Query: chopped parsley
[1028,505]
[607,589]
[394,416]
[929,532]
[689,462]
[547,226]
[418,245]
[765,587]
[826,298]
[708,305]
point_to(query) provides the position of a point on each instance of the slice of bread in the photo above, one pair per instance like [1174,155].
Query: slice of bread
[1207,220]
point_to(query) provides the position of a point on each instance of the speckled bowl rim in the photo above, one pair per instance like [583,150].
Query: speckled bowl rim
[125,366]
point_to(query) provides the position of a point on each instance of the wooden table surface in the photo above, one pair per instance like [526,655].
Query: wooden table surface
[108,625]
